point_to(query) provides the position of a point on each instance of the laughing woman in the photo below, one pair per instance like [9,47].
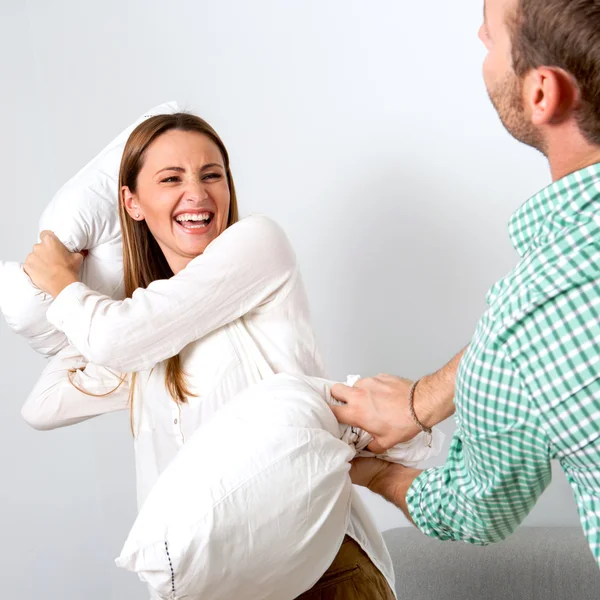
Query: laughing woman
[213,306]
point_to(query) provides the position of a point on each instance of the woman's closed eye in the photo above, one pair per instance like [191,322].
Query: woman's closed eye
[205,177]
[211,176]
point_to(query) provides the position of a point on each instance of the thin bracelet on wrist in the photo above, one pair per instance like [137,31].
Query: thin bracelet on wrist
[411,408]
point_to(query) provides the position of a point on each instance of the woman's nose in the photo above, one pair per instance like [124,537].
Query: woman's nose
[195,191]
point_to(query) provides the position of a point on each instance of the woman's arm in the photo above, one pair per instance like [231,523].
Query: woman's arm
[241,270]
[59,397]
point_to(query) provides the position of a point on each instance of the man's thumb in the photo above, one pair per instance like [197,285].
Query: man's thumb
[342,413]
[376,448]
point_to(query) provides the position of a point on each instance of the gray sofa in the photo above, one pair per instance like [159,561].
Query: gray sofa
[536,563]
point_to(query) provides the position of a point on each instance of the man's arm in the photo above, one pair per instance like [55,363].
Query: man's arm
[474,497]
[498,462]
[434,395]
[379,405]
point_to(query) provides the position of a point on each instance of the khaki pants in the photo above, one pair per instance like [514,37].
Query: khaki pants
[352,576]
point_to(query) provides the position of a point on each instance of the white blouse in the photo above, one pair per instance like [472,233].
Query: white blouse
[236,314]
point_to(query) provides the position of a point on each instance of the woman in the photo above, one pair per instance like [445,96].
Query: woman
[214,306]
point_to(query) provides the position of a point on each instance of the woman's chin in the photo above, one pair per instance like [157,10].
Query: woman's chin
[192,248]
[187,245]
[191,251]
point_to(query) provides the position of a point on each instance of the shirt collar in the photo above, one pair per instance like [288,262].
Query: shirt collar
[570,194]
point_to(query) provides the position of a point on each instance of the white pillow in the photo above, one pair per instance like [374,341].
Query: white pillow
[255,505]
[84,215]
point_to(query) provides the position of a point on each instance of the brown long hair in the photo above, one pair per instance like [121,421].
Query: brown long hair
[143,260]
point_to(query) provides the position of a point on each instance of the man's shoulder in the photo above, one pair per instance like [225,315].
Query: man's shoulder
[559,275]
[547,317]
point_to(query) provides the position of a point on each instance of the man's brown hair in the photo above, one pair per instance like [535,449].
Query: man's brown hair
[563,34]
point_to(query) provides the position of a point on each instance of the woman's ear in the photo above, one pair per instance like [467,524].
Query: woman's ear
[131,204]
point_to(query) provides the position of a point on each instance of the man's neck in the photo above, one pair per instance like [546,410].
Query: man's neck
[568,154]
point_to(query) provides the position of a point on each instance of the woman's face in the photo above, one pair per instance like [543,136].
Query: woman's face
[182,194]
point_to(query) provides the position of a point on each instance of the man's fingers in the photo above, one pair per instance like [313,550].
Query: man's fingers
[376,447]
[384,378]
[344,414]
[368,383]
[344,393]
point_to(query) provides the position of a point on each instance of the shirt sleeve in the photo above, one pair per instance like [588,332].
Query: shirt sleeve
[70,391]
[249,264]
[498,463]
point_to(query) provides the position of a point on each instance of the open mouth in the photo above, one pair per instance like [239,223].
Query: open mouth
[195,222]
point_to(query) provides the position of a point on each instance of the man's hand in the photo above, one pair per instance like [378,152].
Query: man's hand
[378,405]
[51,266]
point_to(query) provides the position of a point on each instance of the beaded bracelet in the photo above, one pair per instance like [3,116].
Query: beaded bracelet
[411,407]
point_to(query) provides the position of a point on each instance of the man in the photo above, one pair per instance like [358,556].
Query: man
[527,389]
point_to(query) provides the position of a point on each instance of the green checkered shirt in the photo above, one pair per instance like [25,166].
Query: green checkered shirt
[528,388]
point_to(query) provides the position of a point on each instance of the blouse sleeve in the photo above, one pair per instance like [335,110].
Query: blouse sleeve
[247,266]
[70,391]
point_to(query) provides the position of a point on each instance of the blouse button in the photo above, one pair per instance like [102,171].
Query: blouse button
[175,421]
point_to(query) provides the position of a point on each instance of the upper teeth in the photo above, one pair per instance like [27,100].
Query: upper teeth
[190,217]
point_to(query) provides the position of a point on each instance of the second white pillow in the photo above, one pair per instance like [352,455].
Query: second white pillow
[254,506]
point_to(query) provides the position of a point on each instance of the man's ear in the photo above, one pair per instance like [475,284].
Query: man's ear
[550,95]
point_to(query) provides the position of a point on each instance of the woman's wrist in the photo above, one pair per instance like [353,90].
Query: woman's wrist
[62,283]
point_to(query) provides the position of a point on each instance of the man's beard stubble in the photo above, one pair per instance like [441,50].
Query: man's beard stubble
[507,98]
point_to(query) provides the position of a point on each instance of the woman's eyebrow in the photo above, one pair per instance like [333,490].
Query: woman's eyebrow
[182,170]
[178,169]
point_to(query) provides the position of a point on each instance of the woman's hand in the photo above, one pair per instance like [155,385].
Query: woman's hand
[365,471]
[51,266]
[390,480]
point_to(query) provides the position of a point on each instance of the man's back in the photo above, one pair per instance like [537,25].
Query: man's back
[528,389]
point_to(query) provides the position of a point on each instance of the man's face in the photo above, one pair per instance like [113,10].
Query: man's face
[504,87]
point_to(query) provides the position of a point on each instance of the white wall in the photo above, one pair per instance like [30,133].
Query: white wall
[362,127]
